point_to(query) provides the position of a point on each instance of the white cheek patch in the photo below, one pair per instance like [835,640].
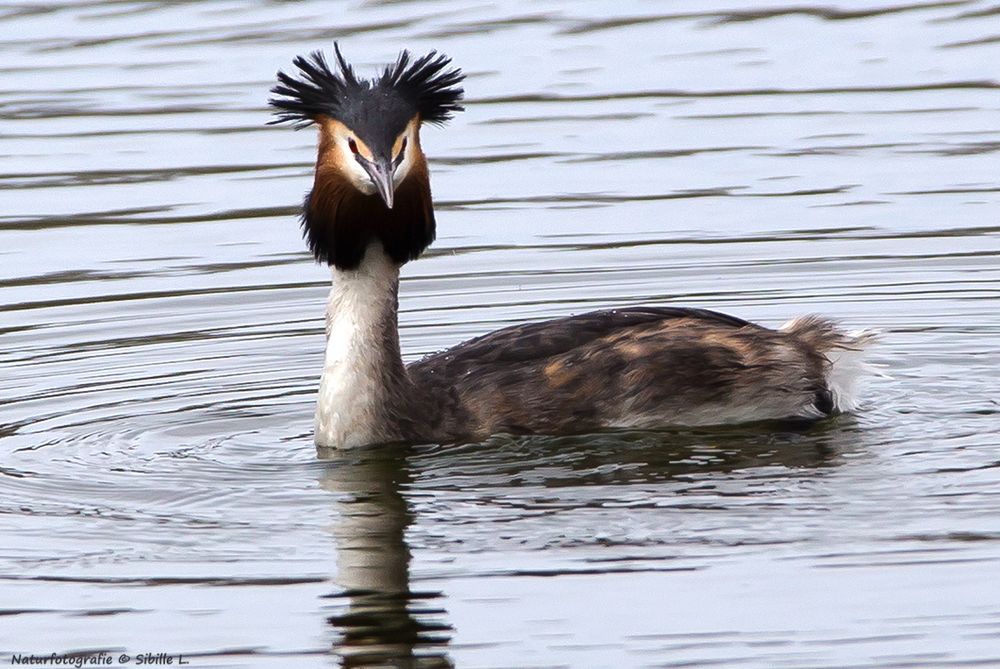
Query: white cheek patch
[348,164]
[404,166]
[358,176]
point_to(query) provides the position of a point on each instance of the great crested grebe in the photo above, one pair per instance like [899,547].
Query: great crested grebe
[370,211]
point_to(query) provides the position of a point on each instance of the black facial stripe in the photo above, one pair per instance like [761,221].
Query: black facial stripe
[362,160]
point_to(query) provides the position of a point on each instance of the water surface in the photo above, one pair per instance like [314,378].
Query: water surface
[162,338]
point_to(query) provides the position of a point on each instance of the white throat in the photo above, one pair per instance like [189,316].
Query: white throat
[362,354]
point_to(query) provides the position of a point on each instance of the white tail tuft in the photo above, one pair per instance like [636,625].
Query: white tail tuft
[848,367]
[845,352]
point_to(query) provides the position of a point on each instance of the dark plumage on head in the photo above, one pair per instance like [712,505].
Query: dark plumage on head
[405,89]
[371,183]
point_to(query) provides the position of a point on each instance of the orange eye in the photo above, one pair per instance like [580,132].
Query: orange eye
[352,145]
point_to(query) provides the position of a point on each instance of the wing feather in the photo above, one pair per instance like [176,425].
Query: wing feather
[544,339]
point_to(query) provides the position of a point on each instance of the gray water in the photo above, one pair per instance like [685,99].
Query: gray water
[161,330]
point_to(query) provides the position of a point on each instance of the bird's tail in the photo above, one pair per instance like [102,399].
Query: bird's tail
[845,354]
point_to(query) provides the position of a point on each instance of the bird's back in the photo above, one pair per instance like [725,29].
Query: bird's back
[639,367]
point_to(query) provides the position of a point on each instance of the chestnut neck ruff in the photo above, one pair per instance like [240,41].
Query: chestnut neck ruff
[339,222]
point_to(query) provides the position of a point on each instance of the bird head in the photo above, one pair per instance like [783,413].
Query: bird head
[371,182]
[369,128]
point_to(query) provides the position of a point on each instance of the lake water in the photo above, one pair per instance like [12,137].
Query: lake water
[162,338]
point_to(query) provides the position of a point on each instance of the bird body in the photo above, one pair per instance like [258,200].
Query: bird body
[370,211]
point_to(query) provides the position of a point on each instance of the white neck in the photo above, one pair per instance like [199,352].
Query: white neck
[363,366]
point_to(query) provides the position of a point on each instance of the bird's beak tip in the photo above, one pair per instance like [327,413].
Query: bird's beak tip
[385,192]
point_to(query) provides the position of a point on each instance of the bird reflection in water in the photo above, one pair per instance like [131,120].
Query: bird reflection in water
[380,621]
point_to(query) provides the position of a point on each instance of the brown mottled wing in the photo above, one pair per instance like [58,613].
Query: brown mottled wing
[645,365]
[544,339]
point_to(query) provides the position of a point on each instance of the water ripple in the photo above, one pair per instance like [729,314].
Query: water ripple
[163,332]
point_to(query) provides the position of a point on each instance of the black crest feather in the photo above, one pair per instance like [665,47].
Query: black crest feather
[424,86]
[432,89]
